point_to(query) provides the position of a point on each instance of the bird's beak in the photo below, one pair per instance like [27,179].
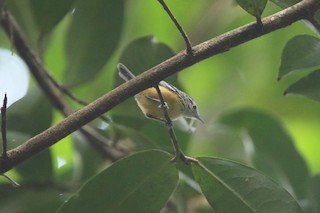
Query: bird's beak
[199,119]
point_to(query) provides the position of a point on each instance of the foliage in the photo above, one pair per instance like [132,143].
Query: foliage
[262,142]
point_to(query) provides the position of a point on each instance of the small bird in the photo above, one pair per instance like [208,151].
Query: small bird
[178,103]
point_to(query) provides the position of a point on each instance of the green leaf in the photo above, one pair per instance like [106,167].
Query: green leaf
[38,170]
[158,133]
[314,193]
[88,161]
[144,53]
[37,17]
[232,187]
[254,7]
[22,12]
[301,52]
[308,86]
[286,3]
[139,56]
[31,115]
[92,38]
[141,142]
[142,182]
[271,148]
[317,16]
[26,118]
[48,13]
[30,199]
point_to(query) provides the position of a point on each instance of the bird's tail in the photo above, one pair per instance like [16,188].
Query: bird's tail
[124,72]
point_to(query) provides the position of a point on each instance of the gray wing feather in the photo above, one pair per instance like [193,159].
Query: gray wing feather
[126,75]
[124,72]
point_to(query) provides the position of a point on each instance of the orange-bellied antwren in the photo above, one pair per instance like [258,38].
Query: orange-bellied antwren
[178,103]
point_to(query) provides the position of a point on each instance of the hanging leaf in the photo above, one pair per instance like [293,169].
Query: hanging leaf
[38,17]
[232,187]
[48,13]
[92,38]
[32,114]
[271,148]
[253,7]
[314,193]
[142,182]
[23,15]
[301,52]
[144,53]
[28,199]
[308,86]
[139,56]
[286,3]
[317,16]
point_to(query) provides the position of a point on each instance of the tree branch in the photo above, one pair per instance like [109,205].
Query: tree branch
[150,78]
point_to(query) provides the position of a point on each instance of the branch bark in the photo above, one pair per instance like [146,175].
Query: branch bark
[150,78]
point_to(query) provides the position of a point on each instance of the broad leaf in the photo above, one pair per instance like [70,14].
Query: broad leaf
[142,182]
[301,52]
[139,56]
[317,16]
[32,114]
[232,187]
[48,13]
[38,169]
[30,199]
[38,17]
[314,193]
[28,117]
[23,15]
[286,3]
[254,7]
[144,53]
[270,148]
[141,142]
[92,38]
[308,86]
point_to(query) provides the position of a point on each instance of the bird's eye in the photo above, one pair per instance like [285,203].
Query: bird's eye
[194,106]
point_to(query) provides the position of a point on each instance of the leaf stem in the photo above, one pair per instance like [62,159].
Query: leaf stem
[179,27]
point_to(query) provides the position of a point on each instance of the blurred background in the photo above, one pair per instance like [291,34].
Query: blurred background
[244,77]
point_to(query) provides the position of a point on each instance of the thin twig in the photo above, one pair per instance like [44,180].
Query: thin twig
[65,91]
[4,127]
[178,152]
[175,21]
[72,96]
